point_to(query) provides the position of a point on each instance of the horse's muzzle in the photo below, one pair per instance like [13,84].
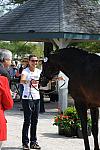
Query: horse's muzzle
[43,81]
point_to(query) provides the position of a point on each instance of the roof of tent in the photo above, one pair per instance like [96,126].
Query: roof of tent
[48,19]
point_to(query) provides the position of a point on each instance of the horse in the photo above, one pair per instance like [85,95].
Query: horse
[83,70]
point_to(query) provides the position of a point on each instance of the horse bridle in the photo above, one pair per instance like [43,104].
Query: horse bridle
[51,81]
[47,79]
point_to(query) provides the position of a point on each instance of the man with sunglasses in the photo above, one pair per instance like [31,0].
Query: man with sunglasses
[30,102]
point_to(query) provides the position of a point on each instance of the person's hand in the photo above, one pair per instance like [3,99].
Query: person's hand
[60,78]
[34,81]
[10,92]
[17,74]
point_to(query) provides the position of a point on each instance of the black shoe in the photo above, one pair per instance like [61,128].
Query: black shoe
[26,147]
[35,146]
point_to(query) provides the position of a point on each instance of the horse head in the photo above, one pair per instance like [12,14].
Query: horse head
[49,70]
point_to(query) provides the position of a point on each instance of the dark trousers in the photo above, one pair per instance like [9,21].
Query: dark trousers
[30,109]
[42,109]
[21,88]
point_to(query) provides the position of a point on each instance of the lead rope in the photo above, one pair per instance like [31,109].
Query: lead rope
[30,94]
[54,90]
[43,91]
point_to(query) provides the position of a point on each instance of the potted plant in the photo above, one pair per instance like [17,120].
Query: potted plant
[69,123]
[64,124]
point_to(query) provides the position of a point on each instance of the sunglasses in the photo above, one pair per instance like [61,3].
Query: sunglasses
[24,61]
[34,60]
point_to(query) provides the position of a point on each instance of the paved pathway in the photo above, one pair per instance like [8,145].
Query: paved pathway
[48,137]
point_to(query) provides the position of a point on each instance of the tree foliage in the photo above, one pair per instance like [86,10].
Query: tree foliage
[93,47]
[21,49]
[19,1]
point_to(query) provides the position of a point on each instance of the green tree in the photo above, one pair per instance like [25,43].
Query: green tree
[89,46]
[19,1]
[21,49]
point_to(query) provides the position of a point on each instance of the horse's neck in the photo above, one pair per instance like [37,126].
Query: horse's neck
[68,70]
[71,65]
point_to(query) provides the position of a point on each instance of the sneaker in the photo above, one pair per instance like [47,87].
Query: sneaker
[35,146]
[26,147]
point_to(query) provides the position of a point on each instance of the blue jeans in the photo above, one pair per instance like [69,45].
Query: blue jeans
[31,110]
